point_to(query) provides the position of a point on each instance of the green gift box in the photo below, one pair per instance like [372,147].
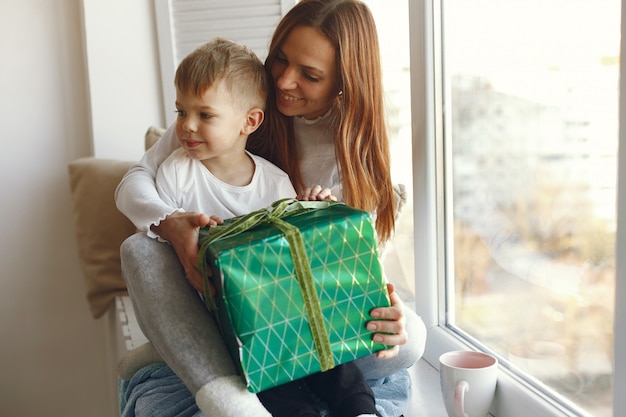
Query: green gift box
[294,287]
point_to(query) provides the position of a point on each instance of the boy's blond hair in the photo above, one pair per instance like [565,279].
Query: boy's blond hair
[223,60]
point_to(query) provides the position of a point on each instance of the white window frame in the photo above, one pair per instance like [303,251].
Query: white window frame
[514,397]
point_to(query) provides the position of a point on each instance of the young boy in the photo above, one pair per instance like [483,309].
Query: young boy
[221,89]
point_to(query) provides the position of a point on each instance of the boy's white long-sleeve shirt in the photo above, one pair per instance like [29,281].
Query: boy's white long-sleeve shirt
[136,196]
[187,184]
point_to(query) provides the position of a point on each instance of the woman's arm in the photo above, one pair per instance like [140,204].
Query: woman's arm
[136,195]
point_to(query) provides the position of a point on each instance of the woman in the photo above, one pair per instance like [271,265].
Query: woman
[324,125]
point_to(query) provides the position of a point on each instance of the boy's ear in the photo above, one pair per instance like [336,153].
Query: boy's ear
[253,120]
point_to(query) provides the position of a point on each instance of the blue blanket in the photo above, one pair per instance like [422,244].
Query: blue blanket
[156,391]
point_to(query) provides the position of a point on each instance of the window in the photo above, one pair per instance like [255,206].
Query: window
[515,134]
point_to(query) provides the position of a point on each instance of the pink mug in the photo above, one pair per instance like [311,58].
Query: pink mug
[468,382]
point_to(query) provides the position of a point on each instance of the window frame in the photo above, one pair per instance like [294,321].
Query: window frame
[514,397]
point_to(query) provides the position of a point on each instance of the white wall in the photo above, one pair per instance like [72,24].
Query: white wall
[123,77]
[52,359]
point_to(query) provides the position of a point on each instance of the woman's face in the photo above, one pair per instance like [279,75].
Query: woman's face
[305,74]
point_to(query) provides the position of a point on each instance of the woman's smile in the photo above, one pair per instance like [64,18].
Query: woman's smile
[287,97]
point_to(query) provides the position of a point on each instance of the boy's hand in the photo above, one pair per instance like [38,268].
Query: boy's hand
[181,231]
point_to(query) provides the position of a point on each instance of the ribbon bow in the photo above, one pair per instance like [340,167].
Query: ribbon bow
[275,214]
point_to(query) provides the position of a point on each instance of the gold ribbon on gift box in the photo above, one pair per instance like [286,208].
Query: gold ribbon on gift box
[275,214]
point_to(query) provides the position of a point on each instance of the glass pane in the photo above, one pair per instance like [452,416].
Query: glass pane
[392,24]
[532,99]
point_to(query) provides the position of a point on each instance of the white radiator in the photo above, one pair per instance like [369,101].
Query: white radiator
[130,333]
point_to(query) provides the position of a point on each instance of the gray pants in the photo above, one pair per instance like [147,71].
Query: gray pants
[175,320]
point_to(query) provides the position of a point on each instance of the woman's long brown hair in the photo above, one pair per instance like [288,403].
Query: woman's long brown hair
[361,140]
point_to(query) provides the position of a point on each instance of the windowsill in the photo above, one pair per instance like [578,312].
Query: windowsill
[426,399]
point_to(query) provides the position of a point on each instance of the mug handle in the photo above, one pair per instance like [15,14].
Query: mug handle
[459,398]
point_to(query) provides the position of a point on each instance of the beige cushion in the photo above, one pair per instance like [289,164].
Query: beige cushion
[100,228]
[152,135]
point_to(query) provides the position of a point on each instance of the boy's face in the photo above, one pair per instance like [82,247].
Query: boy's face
[210,126]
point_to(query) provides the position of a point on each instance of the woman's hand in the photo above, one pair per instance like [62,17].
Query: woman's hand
[316,193]
[389,326]
[181,230]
